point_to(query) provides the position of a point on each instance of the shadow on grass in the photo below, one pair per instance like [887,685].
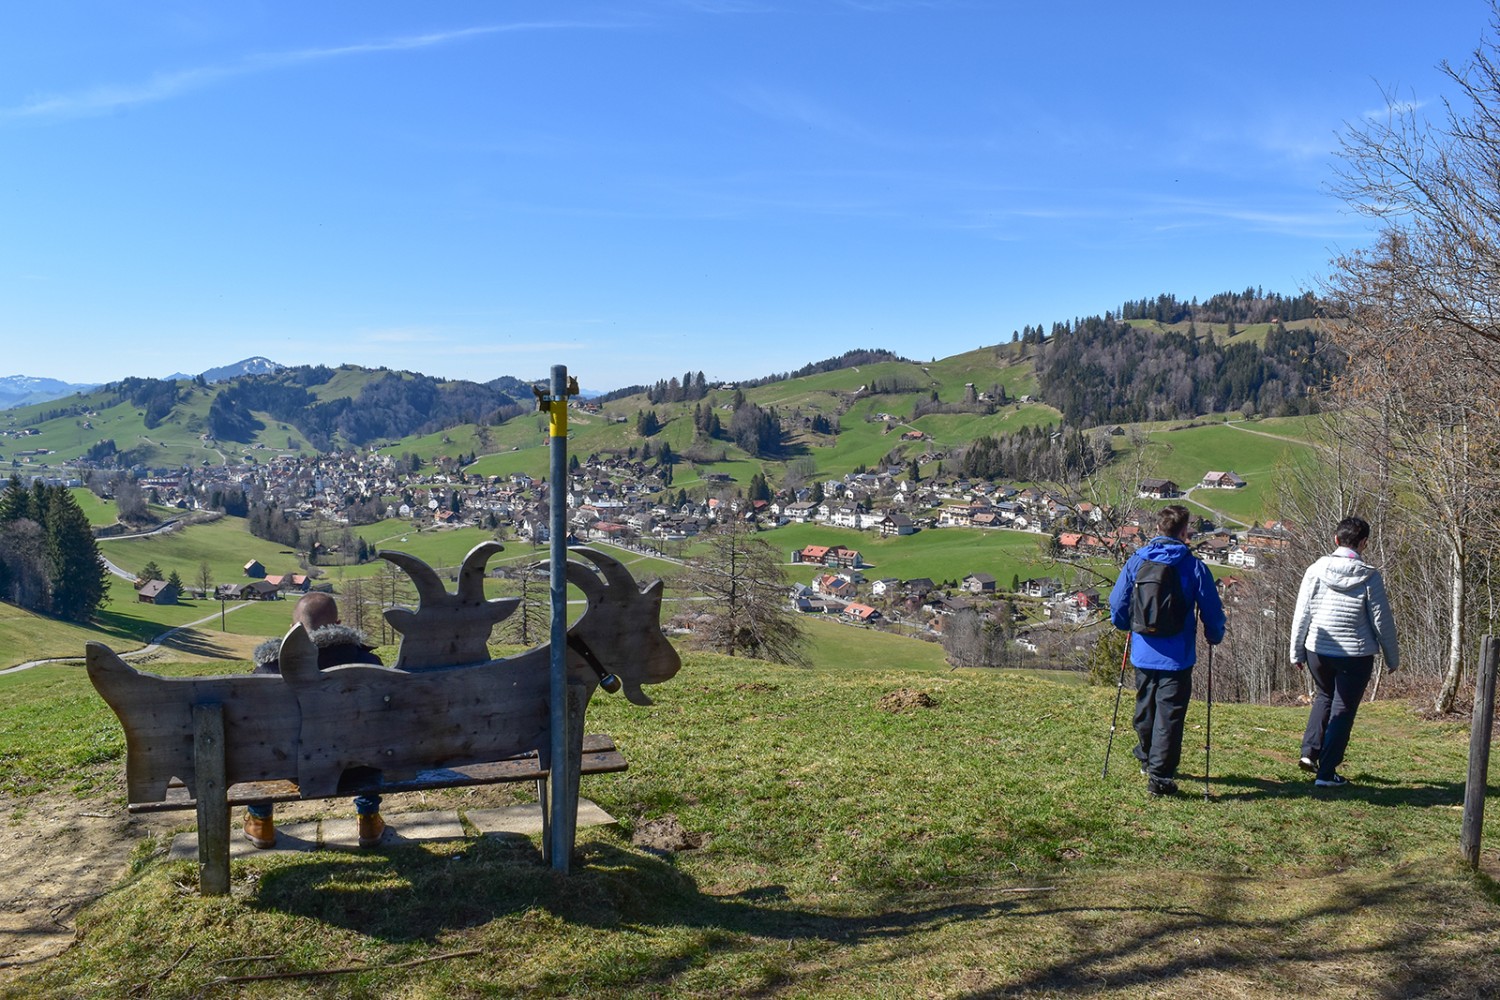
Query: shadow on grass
[1429,950]
[194,643]
[411,894]
[1372,790]
[1413,932]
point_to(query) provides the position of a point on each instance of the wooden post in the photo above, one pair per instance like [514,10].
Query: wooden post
[1479,750]
[212,794]
[558,832]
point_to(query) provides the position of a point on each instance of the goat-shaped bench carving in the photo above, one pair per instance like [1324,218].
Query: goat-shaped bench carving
[444,703]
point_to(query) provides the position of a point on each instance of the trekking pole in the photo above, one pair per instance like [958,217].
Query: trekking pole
[1120,690]
[1208,726]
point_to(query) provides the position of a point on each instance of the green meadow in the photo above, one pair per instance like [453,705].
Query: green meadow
[938,553]
[874,825]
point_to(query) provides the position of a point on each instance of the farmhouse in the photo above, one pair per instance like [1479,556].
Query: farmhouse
[979,583]
[897,524]
[1221,481]
[1159,489]
[157,592]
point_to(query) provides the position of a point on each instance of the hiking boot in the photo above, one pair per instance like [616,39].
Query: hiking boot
[1159,787]
[1308,764]
[260,832]
[371,829]
[1337,781]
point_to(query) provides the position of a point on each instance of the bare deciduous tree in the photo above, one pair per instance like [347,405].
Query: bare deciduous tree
[745,609]
[1423,318]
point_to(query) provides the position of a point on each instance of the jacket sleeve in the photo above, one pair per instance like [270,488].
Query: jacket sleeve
[1210,605]
[1302,617]
[1383,622]
[1119,598]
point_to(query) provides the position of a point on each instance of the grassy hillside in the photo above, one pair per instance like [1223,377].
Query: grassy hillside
[965,849]
[175,442]
[226,545]
[938,553]
[1244,333]
[1253,449]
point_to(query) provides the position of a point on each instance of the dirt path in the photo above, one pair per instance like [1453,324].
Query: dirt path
[56,857]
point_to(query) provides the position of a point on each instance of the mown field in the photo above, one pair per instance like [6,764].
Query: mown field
[968,848]
[1256,450]
[938,553]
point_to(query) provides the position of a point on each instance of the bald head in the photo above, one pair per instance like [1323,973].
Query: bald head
[315,610]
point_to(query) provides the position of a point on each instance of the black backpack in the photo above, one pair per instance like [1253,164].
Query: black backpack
[1157,604]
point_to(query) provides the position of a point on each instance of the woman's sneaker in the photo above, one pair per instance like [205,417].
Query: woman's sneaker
[1159,787]
[1337,781]
[1308,764]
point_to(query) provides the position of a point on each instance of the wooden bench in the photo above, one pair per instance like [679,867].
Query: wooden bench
[600,756]
[441,716]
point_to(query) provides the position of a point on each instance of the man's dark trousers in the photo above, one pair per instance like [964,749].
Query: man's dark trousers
[1161,701]
[1340,682]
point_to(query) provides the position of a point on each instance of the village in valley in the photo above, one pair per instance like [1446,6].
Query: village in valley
[630,503]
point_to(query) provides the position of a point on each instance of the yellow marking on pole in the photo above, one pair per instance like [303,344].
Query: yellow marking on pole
[558,425]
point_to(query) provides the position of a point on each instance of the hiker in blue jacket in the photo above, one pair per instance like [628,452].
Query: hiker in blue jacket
[1164,663]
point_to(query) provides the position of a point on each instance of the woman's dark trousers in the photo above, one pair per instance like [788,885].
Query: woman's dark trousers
[1340,682]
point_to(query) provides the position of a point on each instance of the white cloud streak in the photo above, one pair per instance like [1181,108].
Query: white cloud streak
[165,86]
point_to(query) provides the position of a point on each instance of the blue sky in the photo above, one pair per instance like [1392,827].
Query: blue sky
[641,188]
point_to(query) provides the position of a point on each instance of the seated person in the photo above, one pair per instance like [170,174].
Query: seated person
[337,644]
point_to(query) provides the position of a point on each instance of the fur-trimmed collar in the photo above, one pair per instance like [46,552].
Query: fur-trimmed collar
[329,635]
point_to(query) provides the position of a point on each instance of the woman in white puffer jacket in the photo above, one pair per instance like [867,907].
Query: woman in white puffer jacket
[1342,617]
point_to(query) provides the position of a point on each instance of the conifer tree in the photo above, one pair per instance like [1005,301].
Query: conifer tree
[79,579]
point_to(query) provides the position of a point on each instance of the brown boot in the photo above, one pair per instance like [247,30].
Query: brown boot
[260,832]
[371,829]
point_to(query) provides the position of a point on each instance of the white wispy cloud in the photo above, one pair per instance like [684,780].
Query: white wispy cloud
[801,111]
[1395,109]
[478,349]
[165,86]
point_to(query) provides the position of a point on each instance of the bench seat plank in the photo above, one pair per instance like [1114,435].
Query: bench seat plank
[599,757]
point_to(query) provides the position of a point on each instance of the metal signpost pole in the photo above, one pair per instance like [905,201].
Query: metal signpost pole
[560,809]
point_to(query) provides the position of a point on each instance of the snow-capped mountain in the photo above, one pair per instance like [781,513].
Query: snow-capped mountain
[19,390]
[250,366]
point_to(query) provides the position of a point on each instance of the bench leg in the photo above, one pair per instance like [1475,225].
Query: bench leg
[212,793]
[546,804]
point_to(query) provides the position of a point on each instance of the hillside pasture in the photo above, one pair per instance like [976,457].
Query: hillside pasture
[1185,455]
[856,841]
[225,544]
[937,553]
[99,512]
[1002,364]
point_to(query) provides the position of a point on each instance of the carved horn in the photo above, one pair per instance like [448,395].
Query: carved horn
[471,576]
[585,580]
[429,586]
[614,571]
[298,657]
[635,695]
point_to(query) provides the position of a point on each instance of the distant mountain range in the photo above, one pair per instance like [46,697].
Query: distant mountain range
[21,390]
